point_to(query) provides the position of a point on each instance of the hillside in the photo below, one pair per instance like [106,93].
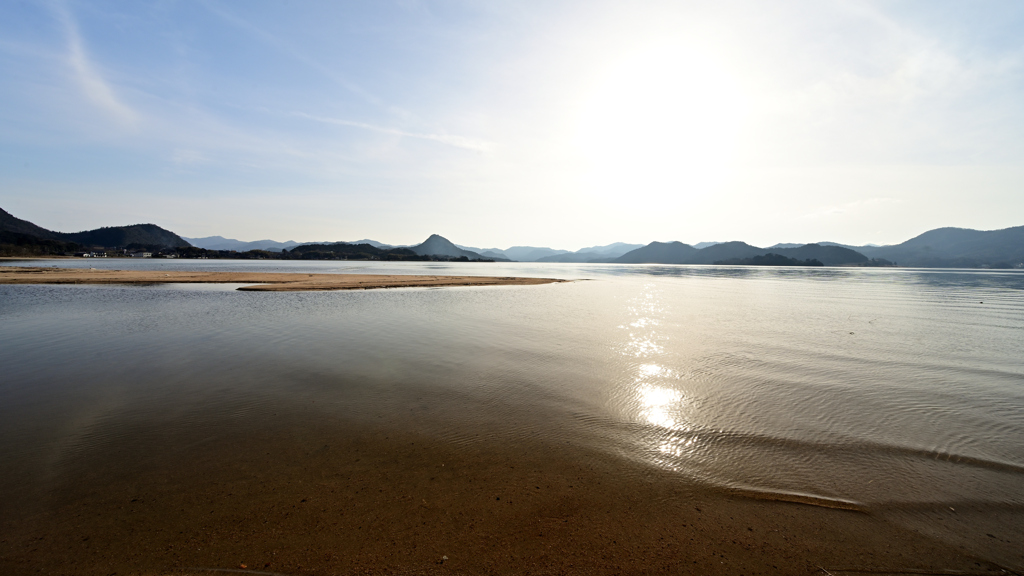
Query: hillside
[9,223]
[149,235]
[25,245]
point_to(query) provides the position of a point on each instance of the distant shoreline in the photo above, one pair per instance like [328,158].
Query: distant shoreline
[261,281]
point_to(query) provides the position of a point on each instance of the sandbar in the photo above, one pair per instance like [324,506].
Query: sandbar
[261,281]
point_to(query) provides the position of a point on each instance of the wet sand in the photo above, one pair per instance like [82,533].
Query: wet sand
[262,281]
[297,492]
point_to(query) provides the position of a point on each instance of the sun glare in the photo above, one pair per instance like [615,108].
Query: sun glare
[662,121]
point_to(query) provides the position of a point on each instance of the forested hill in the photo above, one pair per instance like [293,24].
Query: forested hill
[119,236]
[147,235]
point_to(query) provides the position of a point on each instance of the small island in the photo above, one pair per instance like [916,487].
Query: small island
[261,281]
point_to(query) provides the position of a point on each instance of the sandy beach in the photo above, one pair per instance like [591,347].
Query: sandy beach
[269,496]
[262,281]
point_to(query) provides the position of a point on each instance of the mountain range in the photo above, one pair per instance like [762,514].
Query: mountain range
[222,243]
[955,248]
[679,253]
[942,247]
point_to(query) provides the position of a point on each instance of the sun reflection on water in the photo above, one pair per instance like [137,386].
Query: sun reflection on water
[658,403]
[653,389]
[652,396]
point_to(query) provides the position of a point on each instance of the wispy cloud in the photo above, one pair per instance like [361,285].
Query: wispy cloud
[280,44]
[93,85]
[447,139]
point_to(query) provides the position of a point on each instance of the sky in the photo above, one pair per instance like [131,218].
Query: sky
[499,123]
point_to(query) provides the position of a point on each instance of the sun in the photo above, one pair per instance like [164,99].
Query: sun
[661,121]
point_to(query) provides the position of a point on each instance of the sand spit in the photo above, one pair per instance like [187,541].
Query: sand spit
[262,281]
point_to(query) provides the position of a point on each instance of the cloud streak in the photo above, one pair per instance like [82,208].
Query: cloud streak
[276,42]
[93,85]
[447,139]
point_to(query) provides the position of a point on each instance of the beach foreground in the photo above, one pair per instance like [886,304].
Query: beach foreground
[262,281]
[277,497]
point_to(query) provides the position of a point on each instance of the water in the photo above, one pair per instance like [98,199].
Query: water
[898,393]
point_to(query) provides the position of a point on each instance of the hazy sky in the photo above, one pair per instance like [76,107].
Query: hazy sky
[546,123]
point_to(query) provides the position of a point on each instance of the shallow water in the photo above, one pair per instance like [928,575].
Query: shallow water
[895,392]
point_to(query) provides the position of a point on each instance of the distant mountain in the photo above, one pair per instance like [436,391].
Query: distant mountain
[858,248]
[614,248]
[222,243]
[493,254]
[571,257]
[440,246]
[957,248]
[659,253]
[149,235]
[736,252]
[726,251]
[531,253]
[700,245]
[791,245]
[374,243]
[605,253]
[516,253]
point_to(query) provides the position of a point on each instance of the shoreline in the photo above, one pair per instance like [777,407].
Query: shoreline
[260,281]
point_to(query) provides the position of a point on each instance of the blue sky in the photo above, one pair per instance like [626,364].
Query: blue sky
[562,124]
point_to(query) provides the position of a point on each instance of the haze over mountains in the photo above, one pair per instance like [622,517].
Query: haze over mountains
[222,243]
[942,247]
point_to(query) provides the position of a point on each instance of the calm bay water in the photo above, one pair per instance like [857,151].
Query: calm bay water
[899,393]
